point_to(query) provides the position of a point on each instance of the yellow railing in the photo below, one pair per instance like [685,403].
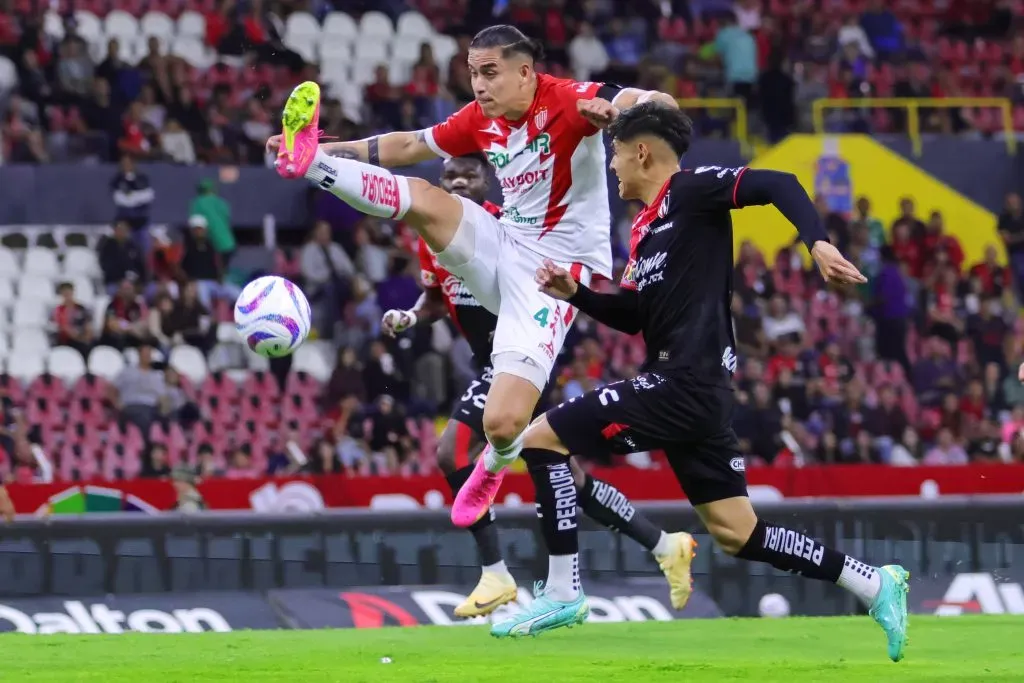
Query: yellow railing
[914,106]
[737,105]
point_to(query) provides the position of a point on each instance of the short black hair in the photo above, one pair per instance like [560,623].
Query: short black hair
[657,119]
[511,41]
[478,157]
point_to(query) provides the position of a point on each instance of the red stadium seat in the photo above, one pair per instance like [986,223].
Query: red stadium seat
[91,386]
[49,387]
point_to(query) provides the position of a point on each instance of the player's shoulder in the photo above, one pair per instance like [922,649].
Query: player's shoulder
[564,90]
[692,181]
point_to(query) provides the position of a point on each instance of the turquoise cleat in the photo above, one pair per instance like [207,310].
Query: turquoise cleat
[890,608]
[543,614]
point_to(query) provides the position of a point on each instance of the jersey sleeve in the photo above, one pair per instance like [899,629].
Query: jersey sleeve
[456,135]
[428,275]
[586,90]
[714,187]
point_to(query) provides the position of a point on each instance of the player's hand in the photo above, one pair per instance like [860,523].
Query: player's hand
[1020,372]
[834,267]
[395,321]
[273,143]
[598,111]
[556,281]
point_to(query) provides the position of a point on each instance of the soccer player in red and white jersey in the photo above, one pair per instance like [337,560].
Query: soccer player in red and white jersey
[542,135]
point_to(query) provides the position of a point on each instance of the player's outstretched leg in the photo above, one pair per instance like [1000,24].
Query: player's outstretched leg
[883,590]
[457,448]
[608,506]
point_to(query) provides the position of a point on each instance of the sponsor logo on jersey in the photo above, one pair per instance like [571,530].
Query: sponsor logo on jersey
[645,382]
[649,270]
[523,181]
[499,157]
[457,293]
[738,465]
[721,171]
[729,360]
[662,228]
[512,214]
[540,118]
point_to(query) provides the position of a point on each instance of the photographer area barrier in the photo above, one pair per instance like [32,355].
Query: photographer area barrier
[94,555]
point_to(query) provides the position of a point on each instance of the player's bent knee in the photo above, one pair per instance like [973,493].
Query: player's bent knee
[729,539]
[503,426]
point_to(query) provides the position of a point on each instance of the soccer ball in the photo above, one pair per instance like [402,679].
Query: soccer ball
[272,315]
[773,606]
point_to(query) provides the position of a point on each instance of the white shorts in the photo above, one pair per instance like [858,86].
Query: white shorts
[499,271]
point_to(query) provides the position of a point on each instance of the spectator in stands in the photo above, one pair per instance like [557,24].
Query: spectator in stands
[206,463]
[909,451]
[587,53]
[936,239]
[389,436]
[777,98]
[327,273]
[995,279]
[138,389]
[74,70]
[217,213]
[156,465]
[946,450]
[827,452]
[346,379]
[325,459]
[864,450]
[371,259]
[201,264]
[760,423]
[240,464]
[852,33]
[125,322]
[381,374]
[72,320]
[625,50]
[892,309]
[988,332]
[935,372]
[781,320]
[191,321]
[887,419]
[22,132]
[863,217]
[133,197]
[1011,229]
[738,52]
[189,499]
[882,28]
[161,332]
[400,289]
[382,97]
[120,258]
[176,143]
[987,447]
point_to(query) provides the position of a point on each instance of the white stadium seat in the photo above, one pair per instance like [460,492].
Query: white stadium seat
[53,25]
[376,25]
[88,27]
[363,72]
[309,359]
[6,292]
[334,53]
[81,261]
[190,362]
[414,24]
[193,51]
[8,75]
[8,260]
[444,48]
[29,342]
[157,24]
[66,363]
[85,292]
[106,362]
[36,288]
[191,25]
[339,26]
[5,349]
[26,363]
[405,50]
[373,51]
[120,24]
[30,314]
[41,261]
[302,24]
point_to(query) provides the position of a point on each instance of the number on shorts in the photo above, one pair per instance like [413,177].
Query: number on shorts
[479,400]
[541,317]
[607,396]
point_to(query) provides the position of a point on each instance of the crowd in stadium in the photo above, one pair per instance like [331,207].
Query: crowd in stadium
[915,367]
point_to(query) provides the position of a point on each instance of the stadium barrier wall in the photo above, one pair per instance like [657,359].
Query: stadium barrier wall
[92,555]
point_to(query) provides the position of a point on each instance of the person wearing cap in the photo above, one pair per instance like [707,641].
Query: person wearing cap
[201,262]
[217,212]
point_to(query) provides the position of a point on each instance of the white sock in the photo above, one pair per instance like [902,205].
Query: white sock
[563,577]
[661,549]
[497,459]
[370,189]
[497,568]
[861,579]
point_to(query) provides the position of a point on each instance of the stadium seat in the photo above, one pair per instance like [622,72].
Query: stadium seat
[85,292]
[304,384]
[444,48]
[191,25]
[339,27]
[65,363]
[37,288]
[41,261]
[190,362]
[121,25]
[44,413]
[9,267]
[53,25]
[193,51]
[91,386]
[28,314]
[106,362]
[6,292]
[81,261]
[405,49]
[413,25]
[26,362]
[8,75]
[157,24]
[376,25]
[89,412]
[302,26]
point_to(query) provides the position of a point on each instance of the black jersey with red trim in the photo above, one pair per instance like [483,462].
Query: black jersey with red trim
[681,268]
[474,321]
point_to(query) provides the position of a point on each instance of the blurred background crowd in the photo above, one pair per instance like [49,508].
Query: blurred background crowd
[136,369]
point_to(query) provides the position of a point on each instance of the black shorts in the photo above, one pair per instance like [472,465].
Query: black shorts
[469,408]
[691,422]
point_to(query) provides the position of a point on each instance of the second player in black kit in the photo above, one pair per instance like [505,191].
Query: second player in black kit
[676,291]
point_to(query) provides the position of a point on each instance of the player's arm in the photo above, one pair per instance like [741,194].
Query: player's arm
[600,103]
[430,307]
[618,310]
[627,97]
[388,150]
[759,187]
[6,506]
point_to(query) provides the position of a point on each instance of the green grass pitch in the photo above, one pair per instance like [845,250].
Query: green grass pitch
[791,650]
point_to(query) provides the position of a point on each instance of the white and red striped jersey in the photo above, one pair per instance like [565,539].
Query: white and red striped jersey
[551,166]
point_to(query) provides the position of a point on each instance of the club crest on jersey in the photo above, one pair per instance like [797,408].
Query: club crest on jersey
[663,209]
[540,118]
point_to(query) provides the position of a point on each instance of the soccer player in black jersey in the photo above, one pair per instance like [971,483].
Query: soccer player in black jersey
[463,438]
[676,291]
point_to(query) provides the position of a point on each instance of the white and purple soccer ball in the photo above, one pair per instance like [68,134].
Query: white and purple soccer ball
[272,315]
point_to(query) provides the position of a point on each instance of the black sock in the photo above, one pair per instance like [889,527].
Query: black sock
[556,499]
[484,532]
[605,504]
[791,551]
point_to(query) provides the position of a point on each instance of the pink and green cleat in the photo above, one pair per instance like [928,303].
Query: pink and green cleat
[300,131]
[476,495]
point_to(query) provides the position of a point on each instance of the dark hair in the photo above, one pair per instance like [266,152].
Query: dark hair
[478,157]
[657,119]
[511,41]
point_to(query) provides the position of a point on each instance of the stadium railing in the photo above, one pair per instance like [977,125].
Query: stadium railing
[738,106]
[913,108]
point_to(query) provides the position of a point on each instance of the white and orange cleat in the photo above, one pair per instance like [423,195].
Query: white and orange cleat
[676,566]
[300,131]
